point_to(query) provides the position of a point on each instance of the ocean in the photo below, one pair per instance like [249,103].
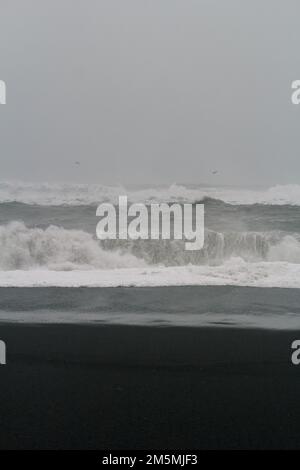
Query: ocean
[248,273]
[143,344]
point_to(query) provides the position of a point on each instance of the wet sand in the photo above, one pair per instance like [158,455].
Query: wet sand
[126,387]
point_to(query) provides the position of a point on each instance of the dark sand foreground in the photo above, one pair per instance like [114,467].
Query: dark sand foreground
[110,387]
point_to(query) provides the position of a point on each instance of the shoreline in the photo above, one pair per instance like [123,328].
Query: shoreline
[197,307]
[234,272]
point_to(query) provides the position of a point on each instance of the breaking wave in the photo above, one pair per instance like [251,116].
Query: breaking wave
[218,248]
[46,194]
[56,248]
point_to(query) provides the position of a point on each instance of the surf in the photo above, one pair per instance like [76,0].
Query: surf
[74,194]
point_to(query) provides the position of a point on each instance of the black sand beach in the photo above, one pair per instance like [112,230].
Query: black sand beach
[118,387]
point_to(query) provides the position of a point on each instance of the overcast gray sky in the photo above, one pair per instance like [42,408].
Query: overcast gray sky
[150,91]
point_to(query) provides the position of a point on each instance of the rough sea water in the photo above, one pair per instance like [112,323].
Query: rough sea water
[252,239]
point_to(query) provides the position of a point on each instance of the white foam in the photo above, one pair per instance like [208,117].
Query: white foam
[235,272]
[93,194]
[58,257]
[287,249]
[56,248]
[277,195]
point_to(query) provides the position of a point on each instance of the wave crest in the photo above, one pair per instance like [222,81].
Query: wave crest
[55,248]
[46,194]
